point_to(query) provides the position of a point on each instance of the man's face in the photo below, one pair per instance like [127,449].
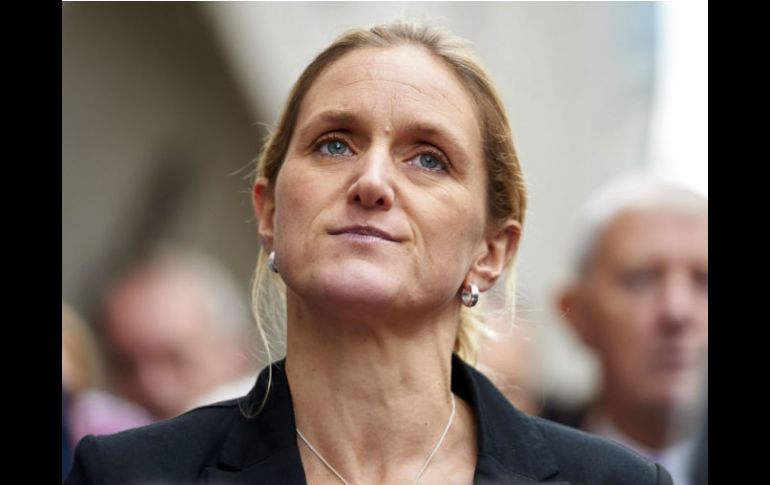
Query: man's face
[644,306]
[163,350]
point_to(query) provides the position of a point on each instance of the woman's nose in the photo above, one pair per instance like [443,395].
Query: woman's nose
[372,185]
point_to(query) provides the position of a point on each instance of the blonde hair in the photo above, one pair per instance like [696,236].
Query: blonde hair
[506,189]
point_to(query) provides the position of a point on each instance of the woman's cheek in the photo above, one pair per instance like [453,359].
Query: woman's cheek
[293,194]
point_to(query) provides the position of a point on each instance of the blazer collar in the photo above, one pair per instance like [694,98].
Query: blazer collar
[262,449]
[511,449]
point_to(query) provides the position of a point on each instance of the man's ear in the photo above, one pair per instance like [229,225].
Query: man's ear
[501,243]
[570,301]
[264,209]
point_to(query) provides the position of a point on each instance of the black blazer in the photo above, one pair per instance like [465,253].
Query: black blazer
[216,444]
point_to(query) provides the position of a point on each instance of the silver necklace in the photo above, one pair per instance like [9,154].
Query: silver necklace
[422,470]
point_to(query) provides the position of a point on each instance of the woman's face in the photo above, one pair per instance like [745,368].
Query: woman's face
[381,199]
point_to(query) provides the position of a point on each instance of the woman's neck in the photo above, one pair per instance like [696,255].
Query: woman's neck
[372,401]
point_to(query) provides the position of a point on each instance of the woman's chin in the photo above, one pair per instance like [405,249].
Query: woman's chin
[360,282]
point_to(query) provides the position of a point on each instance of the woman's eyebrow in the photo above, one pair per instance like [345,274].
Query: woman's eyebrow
[340,117]
[430,130]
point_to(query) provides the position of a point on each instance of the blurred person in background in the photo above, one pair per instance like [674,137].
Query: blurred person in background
[638,299]
[87,407]
[177,330]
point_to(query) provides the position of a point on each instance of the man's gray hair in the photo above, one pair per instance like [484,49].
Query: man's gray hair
[223,299]
[633,191]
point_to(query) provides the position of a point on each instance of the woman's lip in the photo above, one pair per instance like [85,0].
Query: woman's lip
[354,236]
[364,231]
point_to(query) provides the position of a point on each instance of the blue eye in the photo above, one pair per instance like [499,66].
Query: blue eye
[333,147]
[430,162]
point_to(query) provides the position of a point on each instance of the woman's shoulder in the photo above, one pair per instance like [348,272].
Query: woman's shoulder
[581,455]
[521,445]
[180,447]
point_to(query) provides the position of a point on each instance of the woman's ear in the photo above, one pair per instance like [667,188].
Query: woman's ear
[264,210]
[500,245]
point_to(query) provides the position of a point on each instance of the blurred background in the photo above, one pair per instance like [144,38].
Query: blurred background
[164,106]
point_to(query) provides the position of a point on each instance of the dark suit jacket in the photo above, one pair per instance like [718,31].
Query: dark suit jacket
[216,444]
[576,416]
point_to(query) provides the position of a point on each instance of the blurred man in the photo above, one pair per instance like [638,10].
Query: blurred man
[639,300]
[177,333]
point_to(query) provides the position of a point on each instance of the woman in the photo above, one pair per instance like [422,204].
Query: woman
[388,197]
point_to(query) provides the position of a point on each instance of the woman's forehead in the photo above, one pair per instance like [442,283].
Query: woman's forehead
[401,86]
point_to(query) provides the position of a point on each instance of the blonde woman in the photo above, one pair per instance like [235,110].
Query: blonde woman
[389,196]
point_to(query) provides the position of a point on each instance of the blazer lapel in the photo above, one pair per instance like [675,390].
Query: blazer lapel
[263,449]
[281,468]
[512,450]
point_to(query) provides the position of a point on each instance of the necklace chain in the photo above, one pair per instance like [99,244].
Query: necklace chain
[422,470]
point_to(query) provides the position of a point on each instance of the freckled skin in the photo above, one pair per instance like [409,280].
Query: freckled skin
[437,217]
